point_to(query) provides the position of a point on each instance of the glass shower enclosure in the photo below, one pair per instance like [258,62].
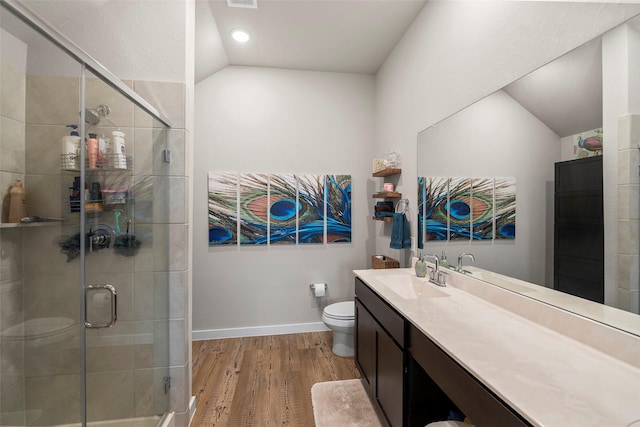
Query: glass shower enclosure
[83,285]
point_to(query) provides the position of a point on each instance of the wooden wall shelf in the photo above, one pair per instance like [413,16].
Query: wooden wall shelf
[387,195]
[384,218]
[387,172]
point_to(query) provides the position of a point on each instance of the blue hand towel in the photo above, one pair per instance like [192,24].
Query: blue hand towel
[400,232]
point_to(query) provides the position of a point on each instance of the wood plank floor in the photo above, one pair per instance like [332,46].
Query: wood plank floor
[263,381]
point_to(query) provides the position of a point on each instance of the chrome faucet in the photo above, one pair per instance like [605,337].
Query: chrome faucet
[461,257]
[436,276]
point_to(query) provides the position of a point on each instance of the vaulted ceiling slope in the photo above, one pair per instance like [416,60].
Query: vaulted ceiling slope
[348,36]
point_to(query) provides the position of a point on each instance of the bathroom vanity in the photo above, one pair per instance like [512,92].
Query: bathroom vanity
[501,358]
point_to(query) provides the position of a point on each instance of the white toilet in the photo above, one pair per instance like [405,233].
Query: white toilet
[340,317]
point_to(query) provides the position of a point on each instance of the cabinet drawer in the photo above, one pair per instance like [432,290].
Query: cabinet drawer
[386,316]
[476,401]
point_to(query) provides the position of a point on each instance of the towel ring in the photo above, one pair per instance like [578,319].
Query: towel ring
[402,206]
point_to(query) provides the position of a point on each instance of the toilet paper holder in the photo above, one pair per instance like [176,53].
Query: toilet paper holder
[318,289]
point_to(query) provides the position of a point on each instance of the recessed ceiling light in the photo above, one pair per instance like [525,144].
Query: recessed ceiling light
[240,35]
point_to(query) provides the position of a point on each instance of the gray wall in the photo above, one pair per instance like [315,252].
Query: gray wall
[251,119]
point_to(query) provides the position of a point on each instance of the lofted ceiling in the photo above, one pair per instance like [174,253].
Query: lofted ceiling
[349,36]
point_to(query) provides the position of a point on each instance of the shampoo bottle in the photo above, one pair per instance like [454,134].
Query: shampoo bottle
[17,204]
[70,149]
[119,150]
[92,150]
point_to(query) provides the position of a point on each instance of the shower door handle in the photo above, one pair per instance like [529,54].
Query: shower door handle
[95,297]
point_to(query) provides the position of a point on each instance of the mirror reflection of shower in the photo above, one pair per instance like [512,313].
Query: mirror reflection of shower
[93,116]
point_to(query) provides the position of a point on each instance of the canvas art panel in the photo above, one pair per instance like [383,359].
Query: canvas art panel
[338,209]
[284,208]
[505,207]
[482,208]
[223,208]
[311,224]
[459,209]
[254,208]
[435,208]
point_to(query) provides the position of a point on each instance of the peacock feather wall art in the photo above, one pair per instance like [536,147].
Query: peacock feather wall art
[466,209]
[338,208]
[505,206]
[265,209]
[223,208]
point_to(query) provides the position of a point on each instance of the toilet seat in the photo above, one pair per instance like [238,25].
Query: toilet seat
[340,311]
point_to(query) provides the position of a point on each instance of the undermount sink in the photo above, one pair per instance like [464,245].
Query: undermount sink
[412,287]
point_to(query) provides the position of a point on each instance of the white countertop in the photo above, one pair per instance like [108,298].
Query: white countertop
[547,377]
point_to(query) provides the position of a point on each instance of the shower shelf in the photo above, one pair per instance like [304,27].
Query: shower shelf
[29,225]
[103,163]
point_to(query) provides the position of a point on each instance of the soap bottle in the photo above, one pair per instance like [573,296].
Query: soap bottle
[421,266]
[119,150]
[17,203]
[92,150]
[71,149]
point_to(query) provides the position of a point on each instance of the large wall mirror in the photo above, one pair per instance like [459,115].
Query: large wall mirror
[521,132]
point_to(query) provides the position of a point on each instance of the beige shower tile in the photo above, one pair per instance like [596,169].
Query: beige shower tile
[12,145]
[11,255]
[178,342]
[180,393]
[629,237]
[44,148]
[58,358]
[629,271]
[53,100]
[57,396]
[169,203]
[167,97]
[100,93]
[110,393]
[629,300]
[110,358]
[628,161]
[13,85]
[150,146]
[164,248]
[628,131]
[49,295]
[158,295]
[44,197]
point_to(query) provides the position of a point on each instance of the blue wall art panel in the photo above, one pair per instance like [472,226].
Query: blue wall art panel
[421,217]
[505,207]
[338,212]
[311,215]
[223,208]
[254,208]
[482,208]
[283,208]
[459,209]
[435,208]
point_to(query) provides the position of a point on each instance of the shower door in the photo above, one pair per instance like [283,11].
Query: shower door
[84,281]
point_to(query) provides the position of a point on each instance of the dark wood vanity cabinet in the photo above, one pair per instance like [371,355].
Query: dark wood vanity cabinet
[379,355]
[410,379]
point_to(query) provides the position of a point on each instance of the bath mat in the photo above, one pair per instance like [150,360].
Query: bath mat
[343,403]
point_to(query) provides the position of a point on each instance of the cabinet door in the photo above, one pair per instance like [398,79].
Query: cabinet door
[389,377]
[365,343]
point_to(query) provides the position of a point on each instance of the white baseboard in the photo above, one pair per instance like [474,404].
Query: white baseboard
[256,331]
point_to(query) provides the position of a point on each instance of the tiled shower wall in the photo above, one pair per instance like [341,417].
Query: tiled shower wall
[12,167]
[127,363]
[629,212]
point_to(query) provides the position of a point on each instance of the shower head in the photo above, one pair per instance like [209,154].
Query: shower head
[92,116]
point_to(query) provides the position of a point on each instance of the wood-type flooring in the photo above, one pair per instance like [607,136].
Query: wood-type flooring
[263,381]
